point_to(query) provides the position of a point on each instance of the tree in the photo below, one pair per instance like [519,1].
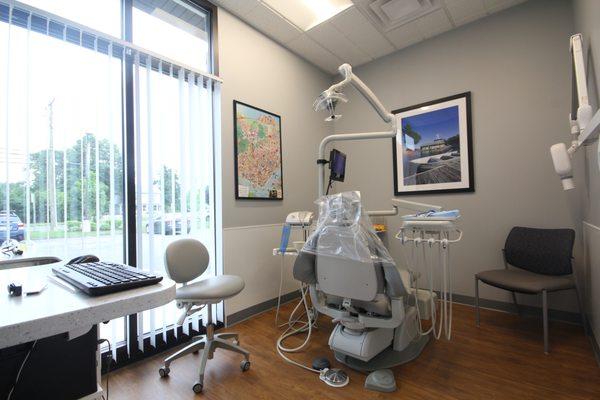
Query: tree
[408,131]
[171,180]
[79,180]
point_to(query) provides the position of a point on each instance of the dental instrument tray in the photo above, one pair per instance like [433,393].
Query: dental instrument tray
[430,223]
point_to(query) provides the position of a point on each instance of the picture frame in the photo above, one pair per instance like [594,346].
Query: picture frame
[435,152]
[258,159]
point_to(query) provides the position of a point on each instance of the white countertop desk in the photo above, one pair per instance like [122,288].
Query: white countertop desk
[59,309]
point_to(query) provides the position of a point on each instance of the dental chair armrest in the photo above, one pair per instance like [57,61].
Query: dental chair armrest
[392,322]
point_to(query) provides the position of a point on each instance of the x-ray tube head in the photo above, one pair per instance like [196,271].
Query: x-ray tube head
[327,100]
[562,165]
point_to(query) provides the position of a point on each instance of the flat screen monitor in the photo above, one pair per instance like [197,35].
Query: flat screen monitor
[337,164]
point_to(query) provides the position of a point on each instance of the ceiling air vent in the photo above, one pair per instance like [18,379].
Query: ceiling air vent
[390,14]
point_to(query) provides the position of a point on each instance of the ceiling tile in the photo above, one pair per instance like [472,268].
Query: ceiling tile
[434,23]
[359,31]
[405,35]
[238,7]
[333,40]
[465,11]
[271,23]
[497,5]
[307,48]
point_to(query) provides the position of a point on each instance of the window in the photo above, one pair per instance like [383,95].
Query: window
[69,119]
[173,143]
[158,25]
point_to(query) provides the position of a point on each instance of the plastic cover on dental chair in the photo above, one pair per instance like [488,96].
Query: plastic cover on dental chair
[344,230]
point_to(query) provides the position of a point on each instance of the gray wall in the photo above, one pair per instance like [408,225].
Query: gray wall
[516,65]
[587,22]
[260,72]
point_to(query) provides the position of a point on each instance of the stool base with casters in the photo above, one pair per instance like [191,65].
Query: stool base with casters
[206,345]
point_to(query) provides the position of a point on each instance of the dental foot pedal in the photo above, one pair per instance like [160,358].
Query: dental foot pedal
[321,364]
[381,381]
[334,377]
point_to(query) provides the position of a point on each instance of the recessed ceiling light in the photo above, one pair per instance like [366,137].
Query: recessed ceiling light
[306,14]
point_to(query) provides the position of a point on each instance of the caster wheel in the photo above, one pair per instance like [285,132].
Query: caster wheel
[197,388]
[245,365]
[164,372]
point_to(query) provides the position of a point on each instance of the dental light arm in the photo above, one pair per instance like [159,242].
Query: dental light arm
[349,78]
[585,128]
[328,99]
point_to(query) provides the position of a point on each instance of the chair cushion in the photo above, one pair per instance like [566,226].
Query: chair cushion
[213,288]
[524,281]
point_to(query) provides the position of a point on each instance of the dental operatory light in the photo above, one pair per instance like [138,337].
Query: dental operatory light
[585,128]
[306,14]
[328,100]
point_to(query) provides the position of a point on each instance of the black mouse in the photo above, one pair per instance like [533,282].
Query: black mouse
[88,258]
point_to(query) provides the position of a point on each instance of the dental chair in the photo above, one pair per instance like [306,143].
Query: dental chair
[353,279]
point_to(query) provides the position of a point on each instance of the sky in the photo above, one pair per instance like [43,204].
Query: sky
[443,122]
[85,86]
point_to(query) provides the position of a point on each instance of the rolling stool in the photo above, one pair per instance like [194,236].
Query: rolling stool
[185,260]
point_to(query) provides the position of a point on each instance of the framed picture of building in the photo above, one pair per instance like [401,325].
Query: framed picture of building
[433,152]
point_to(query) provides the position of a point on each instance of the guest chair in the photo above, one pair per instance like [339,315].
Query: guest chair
[542,261]
[185,260]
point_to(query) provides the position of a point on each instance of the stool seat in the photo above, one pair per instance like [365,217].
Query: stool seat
[216,287]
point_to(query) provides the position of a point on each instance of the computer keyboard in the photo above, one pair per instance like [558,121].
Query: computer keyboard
[98,278]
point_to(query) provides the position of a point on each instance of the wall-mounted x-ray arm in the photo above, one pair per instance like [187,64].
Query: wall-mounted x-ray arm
[585,126]
[328,101]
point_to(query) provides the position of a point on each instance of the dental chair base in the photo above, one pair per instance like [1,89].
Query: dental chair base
[386,359]
[373,349]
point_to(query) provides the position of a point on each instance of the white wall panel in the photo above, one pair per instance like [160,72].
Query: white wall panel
[248,252]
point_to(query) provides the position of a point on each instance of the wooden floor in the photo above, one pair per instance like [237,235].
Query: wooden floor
[503,359]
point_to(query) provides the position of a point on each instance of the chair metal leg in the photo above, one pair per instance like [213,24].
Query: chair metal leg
[581,311]
[203,360]
[227,335]
[514,296]
[545,317]
[225,345]
[190,348]
[476,300]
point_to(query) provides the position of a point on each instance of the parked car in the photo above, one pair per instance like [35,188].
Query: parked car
[169,220]
[17,227]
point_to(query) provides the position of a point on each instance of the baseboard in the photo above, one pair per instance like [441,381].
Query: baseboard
[528,311]
[260,308]
[593,341]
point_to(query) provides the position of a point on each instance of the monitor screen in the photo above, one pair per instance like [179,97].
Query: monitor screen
[337,164]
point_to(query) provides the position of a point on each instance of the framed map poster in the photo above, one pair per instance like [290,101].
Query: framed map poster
[257,154]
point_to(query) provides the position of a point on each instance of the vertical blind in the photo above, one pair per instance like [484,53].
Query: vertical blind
[62,151]
[174,176]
